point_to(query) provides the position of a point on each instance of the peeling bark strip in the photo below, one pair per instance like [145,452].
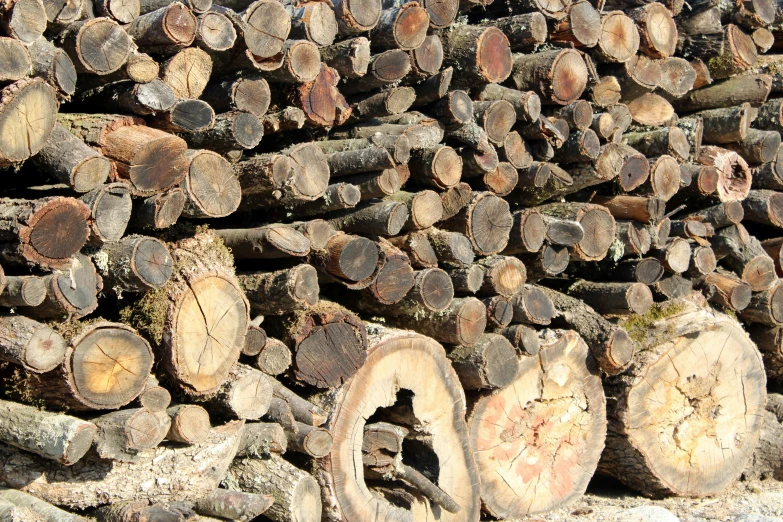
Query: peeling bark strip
[562,462]
[633,441]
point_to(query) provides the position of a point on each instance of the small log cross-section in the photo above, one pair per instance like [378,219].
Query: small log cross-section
[540,456]
[686,416]
[400,364]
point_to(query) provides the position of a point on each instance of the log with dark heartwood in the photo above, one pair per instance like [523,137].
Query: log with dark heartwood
[385,260]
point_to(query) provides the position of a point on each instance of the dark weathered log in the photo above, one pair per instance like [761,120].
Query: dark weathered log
[614,298]
[549,261]
[610,344]
[269,241]
[532,306]
[523,338]
[489,364]
[646,270]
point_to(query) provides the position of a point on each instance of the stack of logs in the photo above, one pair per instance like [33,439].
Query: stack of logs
[382,260]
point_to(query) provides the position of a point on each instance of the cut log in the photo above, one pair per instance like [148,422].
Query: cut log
[763,206]
[245,394]
[730,290]
[243,93]
[23,291]
[296,494]
[313,21]
[190,472]
[614,298]
[611,345]
[25,133]
[395,277]
[267,242]
[125,433]
[185,116]
[491,363]
[97,45]
[37,508]
[765,307]
[53,65]
[176,320]
[752,89]
[262,438]
[57,437]
[350,58]
[642,209]
[211,187]
[707,383]
[329,343]
[505,484]
[135,264]
[71,292]
[280,292]
[486,221]
[232,131]
[448,450]
[321,101]
[619,38]
[159,211]
[598,225]
[142,511]
[274,358]
[483,54]
[558,77]
[347,258]
[467,280]
[171,28]
[384,68]
[189,424]
[106,366]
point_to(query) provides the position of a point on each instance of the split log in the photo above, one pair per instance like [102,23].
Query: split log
[505,485]
[296,494]
[667,350]
[57,437]
[611,345]
[175,319]
[190,472]
[448,448]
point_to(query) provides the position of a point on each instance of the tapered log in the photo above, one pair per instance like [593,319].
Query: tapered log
[37,508]
[505,488]
[667,350]
[135,264]
[350,58]
[190,472]
[123,434]
[753,89]
[721,215]
[189,424]
[159,211]
[455,475]
[610,344]
[483,54]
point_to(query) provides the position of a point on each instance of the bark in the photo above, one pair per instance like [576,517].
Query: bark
[32,345]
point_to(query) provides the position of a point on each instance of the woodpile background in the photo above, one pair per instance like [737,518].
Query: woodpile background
[385,260]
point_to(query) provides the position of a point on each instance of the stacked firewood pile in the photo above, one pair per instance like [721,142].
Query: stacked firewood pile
[369,260]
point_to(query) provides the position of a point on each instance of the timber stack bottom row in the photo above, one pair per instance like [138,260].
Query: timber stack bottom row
[385,260]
